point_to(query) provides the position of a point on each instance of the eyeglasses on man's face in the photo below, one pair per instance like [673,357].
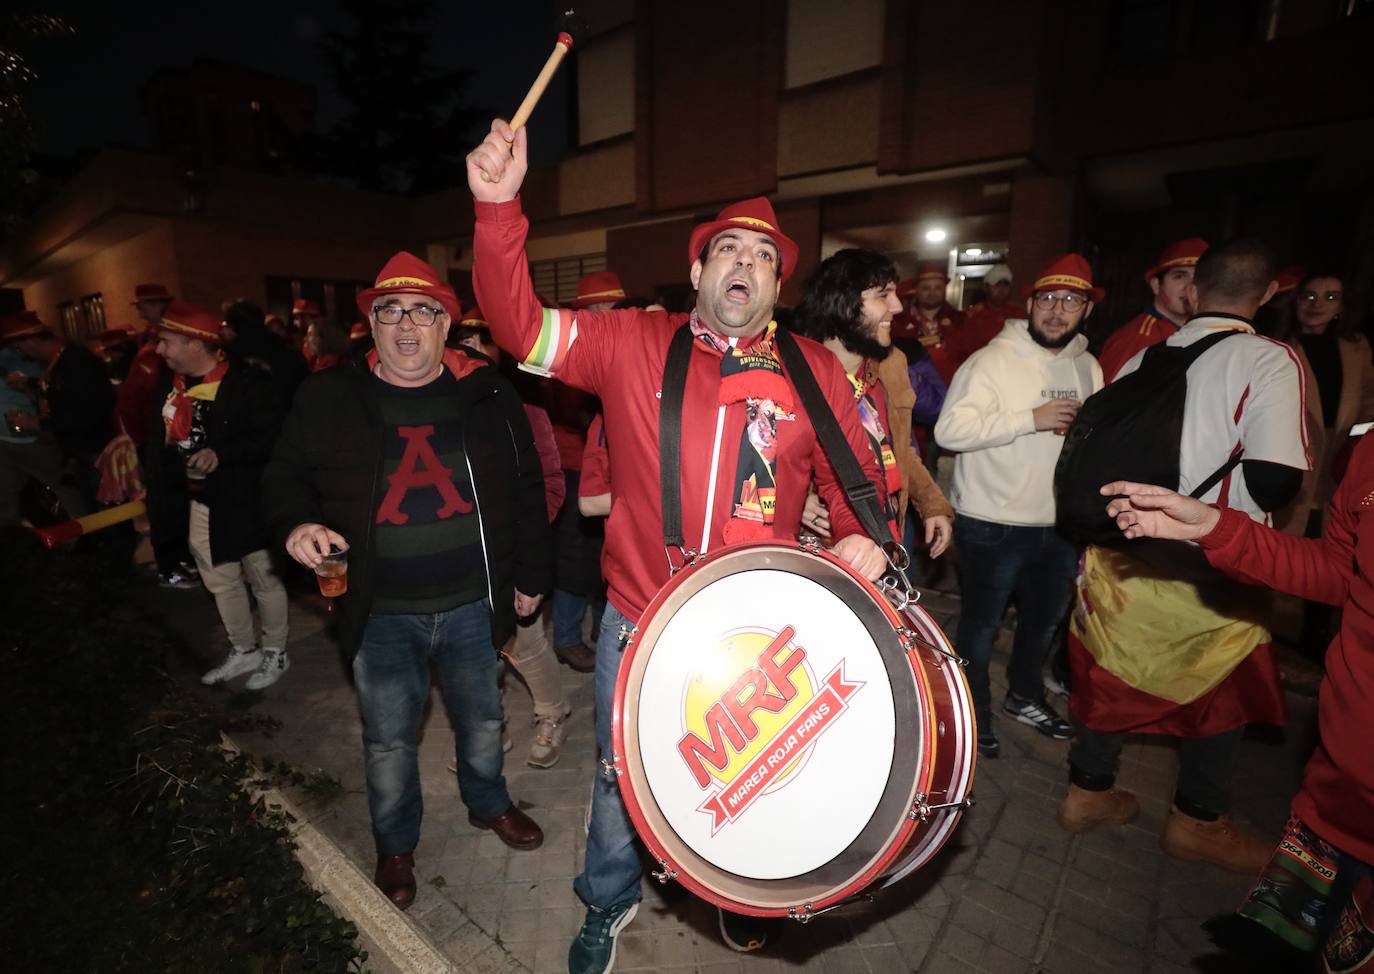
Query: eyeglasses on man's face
[422,315]
[1070,300]
[1312,297]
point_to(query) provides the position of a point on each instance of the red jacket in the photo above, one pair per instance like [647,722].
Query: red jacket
[1337,794]
[619,356]
[596,462]
[1145,329]
[555,486]
[134,397]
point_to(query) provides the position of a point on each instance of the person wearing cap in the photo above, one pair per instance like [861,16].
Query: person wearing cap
[730,490]
[72,403]
[1006,414]
[927,316]
[216,425]
[419,462]
[1170,281]
[848,306]
[1158,643]
[24,452]
[137,401]
[530,651]
[303,312]
[577,575]
[984,321]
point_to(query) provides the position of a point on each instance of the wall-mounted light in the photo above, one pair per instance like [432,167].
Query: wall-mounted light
[935,235]
[973,251]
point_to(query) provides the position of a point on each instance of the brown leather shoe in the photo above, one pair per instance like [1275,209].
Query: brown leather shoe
[513,827]
[579,656]
[395,876]
[1083,810]
[1219,843]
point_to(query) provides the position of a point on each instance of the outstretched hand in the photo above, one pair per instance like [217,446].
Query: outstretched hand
[497,167]
[1146,511]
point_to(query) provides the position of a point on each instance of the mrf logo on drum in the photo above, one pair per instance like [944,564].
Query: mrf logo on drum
[753,714]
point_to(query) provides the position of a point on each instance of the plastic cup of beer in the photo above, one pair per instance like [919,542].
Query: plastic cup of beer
[195,479]
[332,572]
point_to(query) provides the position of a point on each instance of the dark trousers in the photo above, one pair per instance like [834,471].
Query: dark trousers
[169,514]
[1204,773]
[997,562]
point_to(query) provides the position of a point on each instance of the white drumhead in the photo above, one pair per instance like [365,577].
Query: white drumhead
[809,776]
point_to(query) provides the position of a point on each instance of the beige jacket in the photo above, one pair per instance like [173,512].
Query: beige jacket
[1356,405]
[917,483]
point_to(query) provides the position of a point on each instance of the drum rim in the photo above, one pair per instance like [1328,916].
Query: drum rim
[896,843]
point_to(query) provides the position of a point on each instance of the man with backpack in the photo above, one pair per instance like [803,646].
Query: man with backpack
[1007,410]
[1159,643]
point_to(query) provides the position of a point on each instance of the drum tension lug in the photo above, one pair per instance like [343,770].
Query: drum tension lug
[612,766]
[665,872]
[922,809]
[805,914]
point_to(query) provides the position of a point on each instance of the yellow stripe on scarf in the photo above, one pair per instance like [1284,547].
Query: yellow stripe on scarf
[1171,639]
[206,391]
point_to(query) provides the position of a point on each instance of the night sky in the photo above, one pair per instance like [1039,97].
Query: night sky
[86,94]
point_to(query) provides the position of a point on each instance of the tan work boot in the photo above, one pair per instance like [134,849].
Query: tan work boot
[1083,810]
[1219,843]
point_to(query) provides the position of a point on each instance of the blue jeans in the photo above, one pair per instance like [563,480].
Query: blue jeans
[610,876]
[997,561]
[391,672]
[568,610]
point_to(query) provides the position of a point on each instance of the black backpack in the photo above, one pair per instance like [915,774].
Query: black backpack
[1130,430]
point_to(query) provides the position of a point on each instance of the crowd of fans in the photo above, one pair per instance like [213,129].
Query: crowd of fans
[241,459]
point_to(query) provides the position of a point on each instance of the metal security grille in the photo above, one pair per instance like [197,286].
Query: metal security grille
[556,280]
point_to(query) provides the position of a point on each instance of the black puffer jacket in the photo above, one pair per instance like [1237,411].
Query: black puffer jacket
[327,469]
[240,427]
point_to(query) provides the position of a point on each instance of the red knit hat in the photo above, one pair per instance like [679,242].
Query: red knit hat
[22,324]
[1180,253]
[752,214]
[150,292]
[597,288]
[185,318]
[1069,272]
[405,273]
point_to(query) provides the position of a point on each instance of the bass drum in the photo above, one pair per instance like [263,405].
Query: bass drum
[784,737]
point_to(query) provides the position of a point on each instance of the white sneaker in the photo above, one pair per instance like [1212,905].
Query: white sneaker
[275,662]
[237,663]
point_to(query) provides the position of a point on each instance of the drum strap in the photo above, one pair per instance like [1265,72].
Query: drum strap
[862,494]
[670,434]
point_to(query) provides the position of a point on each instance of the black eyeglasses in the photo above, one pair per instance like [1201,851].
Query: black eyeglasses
[1312,297]
[422,315]
[1071,300]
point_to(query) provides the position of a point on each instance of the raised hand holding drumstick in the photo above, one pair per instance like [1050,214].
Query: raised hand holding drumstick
[497,167]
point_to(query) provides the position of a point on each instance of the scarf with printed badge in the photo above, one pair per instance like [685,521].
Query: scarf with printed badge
[878,439]
[752,374]
[178,413]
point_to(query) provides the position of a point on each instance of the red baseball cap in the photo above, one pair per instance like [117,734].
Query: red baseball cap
[304,306]
[597,288]
[150,292]
[1070,272]
[1290,277]
[405,273]
[1180,253]
[185,318]
[22,324]
[752,214]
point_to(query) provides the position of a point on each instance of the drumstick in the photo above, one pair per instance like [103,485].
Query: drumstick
[568,24]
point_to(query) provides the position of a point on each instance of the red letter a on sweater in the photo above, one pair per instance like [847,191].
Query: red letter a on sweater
[420,467]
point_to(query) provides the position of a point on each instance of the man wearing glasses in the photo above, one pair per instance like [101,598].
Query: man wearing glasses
[1006,414]
[420,464]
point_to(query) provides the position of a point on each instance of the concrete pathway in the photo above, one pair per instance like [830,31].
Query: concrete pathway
[1010,893]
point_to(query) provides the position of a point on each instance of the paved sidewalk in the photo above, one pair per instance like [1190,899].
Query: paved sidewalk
[1009,893]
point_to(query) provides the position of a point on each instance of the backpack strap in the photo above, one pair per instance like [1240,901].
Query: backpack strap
[670,435]
[1187,356]
[1217,475]
[862,494]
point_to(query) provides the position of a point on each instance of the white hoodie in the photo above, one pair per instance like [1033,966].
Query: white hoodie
[1005,468]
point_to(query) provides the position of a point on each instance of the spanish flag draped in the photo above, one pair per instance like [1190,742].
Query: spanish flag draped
[1151,653]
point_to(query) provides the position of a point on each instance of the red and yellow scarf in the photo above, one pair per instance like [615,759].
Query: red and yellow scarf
[878,437]
[178,412]
[752,373]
